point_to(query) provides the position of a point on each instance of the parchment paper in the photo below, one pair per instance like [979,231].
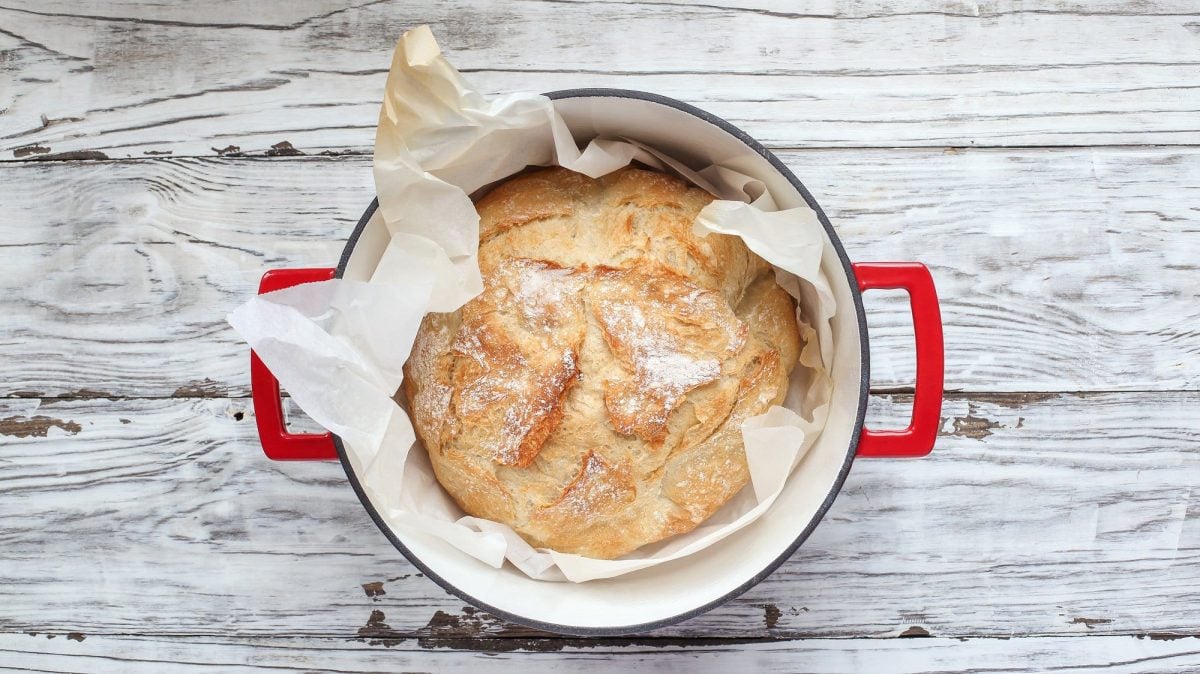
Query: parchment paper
[338,347]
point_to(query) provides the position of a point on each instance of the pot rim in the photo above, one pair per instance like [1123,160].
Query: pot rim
[836,487]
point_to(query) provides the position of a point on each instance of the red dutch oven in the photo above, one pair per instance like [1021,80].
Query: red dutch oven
[677,590]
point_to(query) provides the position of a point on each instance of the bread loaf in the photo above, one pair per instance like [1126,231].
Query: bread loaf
[592,396]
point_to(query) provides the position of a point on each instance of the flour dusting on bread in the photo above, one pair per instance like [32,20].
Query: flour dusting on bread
[591,397]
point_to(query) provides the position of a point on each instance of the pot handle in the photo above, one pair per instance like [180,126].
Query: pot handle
[277,443]
[916,440]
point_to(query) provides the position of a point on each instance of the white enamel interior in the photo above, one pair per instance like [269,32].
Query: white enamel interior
[678,587]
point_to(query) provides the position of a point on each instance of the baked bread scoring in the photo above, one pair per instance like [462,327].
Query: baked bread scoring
[592,396]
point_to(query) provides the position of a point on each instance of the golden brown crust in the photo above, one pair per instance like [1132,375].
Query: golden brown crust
[526,199]
[592,396]
[598,492]
[669,335]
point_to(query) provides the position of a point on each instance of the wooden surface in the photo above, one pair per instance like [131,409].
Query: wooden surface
[1041,157]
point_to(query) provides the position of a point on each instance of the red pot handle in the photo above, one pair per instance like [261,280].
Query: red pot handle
[277,443]
[916,440]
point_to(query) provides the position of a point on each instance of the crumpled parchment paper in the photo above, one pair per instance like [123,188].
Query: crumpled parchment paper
[338,347]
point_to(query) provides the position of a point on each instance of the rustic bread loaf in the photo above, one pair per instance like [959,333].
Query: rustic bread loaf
[591,397]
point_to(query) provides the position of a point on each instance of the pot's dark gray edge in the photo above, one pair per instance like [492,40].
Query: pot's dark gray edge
[864,390]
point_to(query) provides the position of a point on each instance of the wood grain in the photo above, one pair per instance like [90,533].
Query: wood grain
[130,78]
[1053,514]
[143,530]
[1057,270]
[151,655]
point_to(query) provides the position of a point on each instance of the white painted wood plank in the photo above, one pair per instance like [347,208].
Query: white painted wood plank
[134,655]
[1058,270]
[1035,515]
[286,15]
[134,77]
